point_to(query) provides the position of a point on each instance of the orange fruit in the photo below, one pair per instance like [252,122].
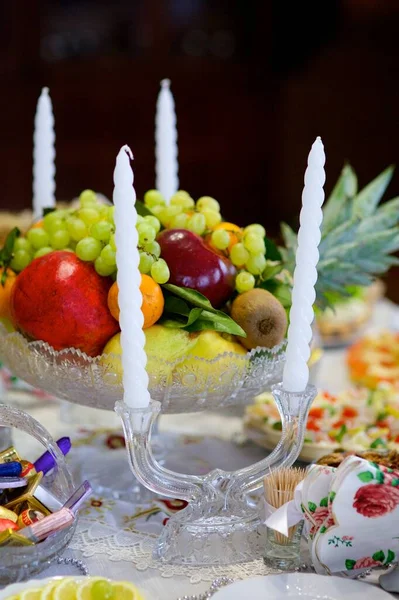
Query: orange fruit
[37,224]
[5,293]
[153,300]
[234,230]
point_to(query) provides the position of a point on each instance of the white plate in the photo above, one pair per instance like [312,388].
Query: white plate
[300,586]
[17,588]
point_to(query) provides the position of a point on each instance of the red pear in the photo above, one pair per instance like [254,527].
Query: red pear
[194,264]
[61,300]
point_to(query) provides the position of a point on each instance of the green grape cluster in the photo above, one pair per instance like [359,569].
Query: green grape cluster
[244,247]
[89,231]
[183,212]
[246,250]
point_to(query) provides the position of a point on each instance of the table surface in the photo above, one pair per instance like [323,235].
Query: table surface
[332,376]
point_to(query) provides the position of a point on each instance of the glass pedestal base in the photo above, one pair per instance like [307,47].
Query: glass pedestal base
[220,535]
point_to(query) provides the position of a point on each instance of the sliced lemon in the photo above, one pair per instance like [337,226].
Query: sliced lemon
[83,590]
[32,594]
[65,590]
[47,591]
[123,590]
[13,598]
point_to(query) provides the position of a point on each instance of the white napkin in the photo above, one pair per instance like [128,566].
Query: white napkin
[352,515]
[362,529]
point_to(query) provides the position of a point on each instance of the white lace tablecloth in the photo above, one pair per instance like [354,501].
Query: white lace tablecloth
[115,538]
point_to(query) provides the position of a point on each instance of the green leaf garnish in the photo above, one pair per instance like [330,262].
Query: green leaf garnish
[272,269]
[192,311]
[217,321]
[47,211]
[378,443]
[343,430]
[143,211]
[272,252]
[281,291]
[6,253]
[189,295]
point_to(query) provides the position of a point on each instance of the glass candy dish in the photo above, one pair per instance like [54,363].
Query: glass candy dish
[19,563]
[182,386]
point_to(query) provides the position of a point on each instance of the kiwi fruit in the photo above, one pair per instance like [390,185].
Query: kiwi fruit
[262,317]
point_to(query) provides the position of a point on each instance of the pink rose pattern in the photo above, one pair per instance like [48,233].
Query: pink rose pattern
[321,517]
[372,501]
[375,500]
[366,563]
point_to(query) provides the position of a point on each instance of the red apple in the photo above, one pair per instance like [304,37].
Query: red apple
[63,301]
[194,264]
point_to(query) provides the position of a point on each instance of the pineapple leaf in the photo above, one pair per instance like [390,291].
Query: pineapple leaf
[380,242]
[337,207]
[343,234]
[344,274]
[366,201]
[289,237]
[386,216]
[291,243]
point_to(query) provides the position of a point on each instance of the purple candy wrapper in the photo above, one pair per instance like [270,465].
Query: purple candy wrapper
[46,462]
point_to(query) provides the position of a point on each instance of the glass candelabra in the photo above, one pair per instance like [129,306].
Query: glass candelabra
[220,524]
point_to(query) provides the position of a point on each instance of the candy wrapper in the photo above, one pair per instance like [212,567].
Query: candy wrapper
[352,516]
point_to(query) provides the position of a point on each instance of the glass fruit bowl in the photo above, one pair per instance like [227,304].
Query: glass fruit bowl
[185,385]
[19,563]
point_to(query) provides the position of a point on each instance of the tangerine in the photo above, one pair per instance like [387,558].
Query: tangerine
[234,230]
[37,225]
[5,293]
[153,300]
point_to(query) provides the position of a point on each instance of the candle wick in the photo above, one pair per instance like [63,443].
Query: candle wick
[128,151]
[165,83]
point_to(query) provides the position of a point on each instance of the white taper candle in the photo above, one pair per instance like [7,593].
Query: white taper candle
[166,164]
[296,371]
[43,156]
[131,319]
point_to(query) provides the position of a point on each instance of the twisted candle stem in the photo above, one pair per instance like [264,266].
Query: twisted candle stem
[166,165]
[134,358]
[43,156]
[296,372]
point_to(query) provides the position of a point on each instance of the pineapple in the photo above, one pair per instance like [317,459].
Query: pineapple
[358,237]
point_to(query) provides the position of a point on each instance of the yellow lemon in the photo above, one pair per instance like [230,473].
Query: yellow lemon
[33,594]
[65,590]
[123,590]
[83,591]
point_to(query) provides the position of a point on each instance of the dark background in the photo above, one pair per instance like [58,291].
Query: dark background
[254,83]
